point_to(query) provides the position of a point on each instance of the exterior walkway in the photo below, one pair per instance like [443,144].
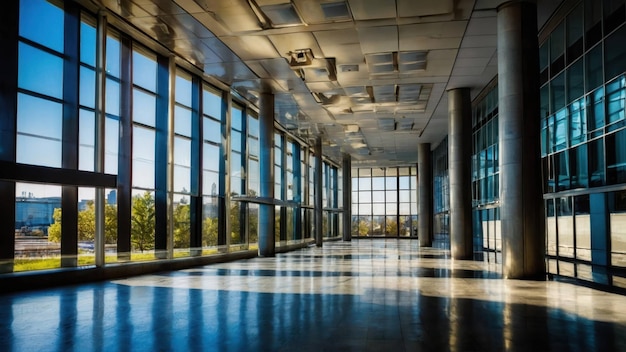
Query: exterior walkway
[367,295]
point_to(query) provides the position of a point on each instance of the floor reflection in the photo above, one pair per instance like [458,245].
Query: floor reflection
[369,295]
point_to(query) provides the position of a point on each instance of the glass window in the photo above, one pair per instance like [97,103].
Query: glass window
[212,102]
[88,43]
[593,69]
[614,14]
[579,166]
[575,81]
[143,157]
[86,140]
[87,87]
[578,122]
[560,130]
[40,71]
[616,157]
[144,70]
[557,49]
[617,209]
[113,56]
[615,53]
[182,165]
[575,33]
[583,227]
[42,22]
[557,90]
[144,108]
[595,119]
[563,172]
[615,100]
[39,128]
[38,213]
[593,22]
[596,162]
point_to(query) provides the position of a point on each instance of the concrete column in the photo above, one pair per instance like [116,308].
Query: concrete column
[347,197]
[521,204]
[425,195]
[317,191]
[267,245]
[460,171]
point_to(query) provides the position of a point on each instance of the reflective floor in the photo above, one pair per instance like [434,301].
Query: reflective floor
[367,295]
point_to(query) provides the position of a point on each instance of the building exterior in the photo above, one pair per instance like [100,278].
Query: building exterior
[251,127]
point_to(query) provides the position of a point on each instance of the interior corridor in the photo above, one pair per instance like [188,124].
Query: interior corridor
[364,295]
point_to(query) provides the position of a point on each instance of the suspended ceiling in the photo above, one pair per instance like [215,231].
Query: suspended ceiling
[369,76]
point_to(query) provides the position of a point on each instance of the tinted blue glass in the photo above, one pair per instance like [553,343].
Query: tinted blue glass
[86,139]
[211,157]
[557,89]
[111,145]
[39,117]
[615,53]
[40,72]
[183,90]
[87,87]
[212,130]
[237,118]
[578,122]
[235,143]
[253,126]
[88,44]
[560,130]
[39,128]
[112,104]
[182,151]
[596,162]
[210,183]
[42,22]
[616,96]
[253,147]
[143,157]
[113,57]
[182,121]
[144,71]
[144,108]
[212,103]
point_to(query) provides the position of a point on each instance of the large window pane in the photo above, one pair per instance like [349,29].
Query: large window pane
[143,157]
[42,22]
[40,71]
[37,226]
[144,70]
[39,129]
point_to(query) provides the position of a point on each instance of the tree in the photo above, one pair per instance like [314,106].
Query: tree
[87,223]
[110,224]
[54,231]
[209,232]
[142,222]
[364,227]
[182,226]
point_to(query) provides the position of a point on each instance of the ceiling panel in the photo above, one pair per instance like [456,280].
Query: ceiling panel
[370,10]
[378,39]
[412,8]
[251,47]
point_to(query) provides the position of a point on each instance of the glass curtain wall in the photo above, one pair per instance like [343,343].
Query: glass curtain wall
[583,136]
[441,185]
[485,172]
[384,202]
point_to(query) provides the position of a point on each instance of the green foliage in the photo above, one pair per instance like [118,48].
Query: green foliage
[87,224]
[182,226]
[364,227]
[209,232]
[54,231]
[142,222]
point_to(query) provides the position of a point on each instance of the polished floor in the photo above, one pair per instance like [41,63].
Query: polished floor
[367,295]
